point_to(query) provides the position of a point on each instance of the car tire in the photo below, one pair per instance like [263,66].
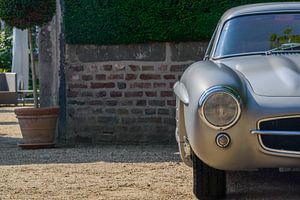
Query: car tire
[209,183]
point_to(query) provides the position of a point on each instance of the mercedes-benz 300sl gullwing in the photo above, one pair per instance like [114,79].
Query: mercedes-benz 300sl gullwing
[239,108]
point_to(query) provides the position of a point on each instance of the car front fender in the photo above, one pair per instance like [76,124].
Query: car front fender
[196,80]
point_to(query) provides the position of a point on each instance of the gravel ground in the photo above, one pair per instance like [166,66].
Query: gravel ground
[116,172]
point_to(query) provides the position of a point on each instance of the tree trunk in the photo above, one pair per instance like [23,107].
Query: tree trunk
[33,71]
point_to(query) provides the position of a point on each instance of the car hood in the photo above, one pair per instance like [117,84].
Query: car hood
[269,75]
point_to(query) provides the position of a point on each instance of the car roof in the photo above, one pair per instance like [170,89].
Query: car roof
[261,8]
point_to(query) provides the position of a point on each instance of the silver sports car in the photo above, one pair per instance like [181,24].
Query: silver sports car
[239,108]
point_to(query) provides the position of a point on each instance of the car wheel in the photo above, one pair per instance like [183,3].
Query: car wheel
[209,183]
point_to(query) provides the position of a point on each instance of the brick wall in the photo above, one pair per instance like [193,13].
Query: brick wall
[123,94]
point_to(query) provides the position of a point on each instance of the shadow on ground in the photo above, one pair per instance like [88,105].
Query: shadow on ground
[266,184]
[6,111]
[7,142]
[10,154]
[8,123]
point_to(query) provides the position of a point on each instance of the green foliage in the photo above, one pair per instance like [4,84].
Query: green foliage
[3,70]
[286,37]
[140,21]
[27,13]
[5,49]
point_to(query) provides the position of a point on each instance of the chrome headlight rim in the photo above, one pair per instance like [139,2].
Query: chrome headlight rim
[220,89]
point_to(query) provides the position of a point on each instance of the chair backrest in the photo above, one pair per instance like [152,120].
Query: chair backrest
[8,82]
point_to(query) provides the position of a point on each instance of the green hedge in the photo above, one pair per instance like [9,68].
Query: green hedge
[140,21]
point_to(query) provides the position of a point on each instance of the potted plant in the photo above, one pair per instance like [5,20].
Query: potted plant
[37,125]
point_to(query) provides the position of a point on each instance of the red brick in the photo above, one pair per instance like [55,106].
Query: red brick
[169,121]
[134,67]
[97,111]
[128,120]
[150,76]
[96,102]
[123,111]
[126,103]
[163,111]
[178,68]
[72,94]
[141,103]
[73,77]
[172,84]
[93,68]
[137,111]
[75,102]
[115,76]
[116,94]
[100,76]
[111,103]
[101,94]
[140,85]
[121,85]
[131,76]
[150,111]
[171,102]
[102,85]
[107,67]
[166,93]
[147,68]
[78,85]
[150,119]
[163,68]
[151,94]
[110,111]
[87,77]
[156,102]
[86,94]
[169,76]
[133,94]
[159,85]
[77,68]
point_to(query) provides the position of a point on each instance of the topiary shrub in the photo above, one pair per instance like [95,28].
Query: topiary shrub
[25,14]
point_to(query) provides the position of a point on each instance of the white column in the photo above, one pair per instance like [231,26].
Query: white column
[20,62]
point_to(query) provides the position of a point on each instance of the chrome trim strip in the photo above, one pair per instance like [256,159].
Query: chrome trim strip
[278,117]
[276,151]
[287,133]
[215,89]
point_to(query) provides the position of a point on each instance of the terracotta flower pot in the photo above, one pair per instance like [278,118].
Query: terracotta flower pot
[38,126]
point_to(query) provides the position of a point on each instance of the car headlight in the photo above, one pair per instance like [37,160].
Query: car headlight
[220,107]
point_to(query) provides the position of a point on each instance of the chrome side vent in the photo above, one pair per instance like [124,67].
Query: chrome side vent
[281,142]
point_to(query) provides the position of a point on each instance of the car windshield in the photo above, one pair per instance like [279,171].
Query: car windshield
[259,33]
